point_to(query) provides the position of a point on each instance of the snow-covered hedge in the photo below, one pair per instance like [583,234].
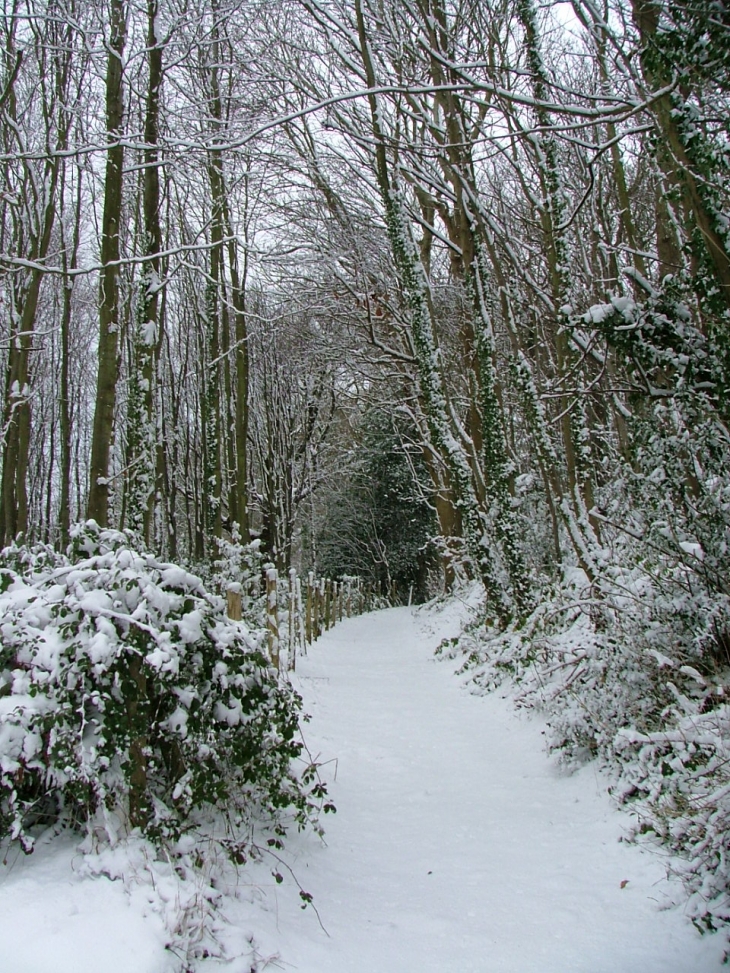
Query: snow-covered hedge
[242,566]
[127,696]
[634,670]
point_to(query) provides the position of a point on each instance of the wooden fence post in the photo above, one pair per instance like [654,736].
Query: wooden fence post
[272,615]
[315,610]
[310,605]
[234,601]
[292,660]
[327,603]
[302,634]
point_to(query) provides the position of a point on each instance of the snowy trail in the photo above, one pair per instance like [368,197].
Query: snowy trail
[458,845]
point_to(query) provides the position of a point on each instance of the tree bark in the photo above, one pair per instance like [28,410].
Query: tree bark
[141,425]
[428,358]
[106,385]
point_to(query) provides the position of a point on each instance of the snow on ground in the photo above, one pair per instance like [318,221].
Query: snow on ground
[54,921]
[458,847]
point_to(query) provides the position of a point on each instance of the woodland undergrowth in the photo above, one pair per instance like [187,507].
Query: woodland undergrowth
[134,711]
[633,670]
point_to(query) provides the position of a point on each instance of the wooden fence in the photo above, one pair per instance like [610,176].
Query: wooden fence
[299,610]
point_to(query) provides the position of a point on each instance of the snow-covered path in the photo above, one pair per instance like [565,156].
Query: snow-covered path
[458,845]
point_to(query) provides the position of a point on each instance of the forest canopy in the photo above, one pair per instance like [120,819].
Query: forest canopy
[231,231]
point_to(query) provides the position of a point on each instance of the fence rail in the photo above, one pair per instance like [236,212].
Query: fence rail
[298,612]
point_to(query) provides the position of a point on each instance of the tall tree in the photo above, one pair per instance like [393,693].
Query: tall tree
[142,426]
[109,317]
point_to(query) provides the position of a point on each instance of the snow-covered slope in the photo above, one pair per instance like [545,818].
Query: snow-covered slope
[458,847]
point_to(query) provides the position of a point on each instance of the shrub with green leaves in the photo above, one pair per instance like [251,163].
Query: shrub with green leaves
[128,696]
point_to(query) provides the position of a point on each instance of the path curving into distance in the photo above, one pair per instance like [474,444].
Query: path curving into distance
[459,846]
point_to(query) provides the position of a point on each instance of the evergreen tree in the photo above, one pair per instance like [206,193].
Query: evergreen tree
[378,523]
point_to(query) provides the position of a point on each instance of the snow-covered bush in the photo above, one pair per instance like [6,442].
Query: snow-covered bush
[679,781]
[241,565]
[129,697]
[631,670]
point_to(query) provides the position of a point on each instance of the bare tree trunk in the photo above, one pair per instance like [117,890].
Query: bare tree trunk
[239,505]
[214,427]
[40,209]
[142,427]
[678,155]
[578,503]
[69,264]
[486,408]
[106,386]
[415,286]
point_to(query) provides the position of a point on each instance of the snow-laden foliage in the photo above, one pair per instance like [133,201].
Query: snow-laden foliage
[128,697]
[240,566]
[634,670]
